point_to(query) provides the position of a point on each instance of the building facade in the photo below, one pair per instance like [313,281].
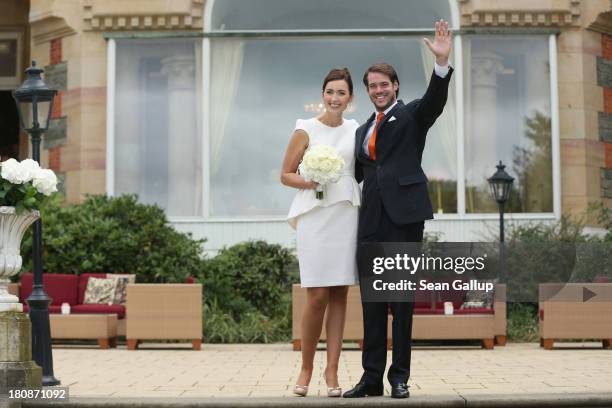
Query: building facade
[190,103]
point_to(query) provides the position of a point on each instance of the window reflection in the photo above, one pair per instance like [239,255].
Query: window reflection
[260,87]
[507,117]
[157,130]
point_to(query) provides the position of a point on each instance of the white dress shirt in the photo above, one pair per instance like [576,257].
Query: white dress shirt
[441,71]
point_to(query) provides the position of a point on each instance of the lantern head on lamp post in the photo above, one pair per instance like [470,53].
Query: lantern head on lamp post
[35,104]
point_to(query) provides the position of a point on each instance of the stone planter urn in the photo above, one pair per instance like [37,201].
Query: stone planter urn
[17,370]
[12,228]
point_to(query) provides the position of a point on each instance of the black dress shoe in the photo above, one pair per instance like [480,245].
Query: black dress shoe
[399,390]
[364,390]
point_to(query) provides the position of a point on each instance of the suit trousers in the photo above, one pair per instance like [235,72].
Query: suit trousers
[374,356]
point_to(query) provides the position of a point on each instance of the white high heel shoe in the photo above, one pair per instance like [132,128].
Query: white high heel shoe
[300,390]
[332,392]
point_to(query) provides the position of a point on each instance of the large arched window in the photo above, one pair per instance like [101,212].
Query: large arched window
[200,126]
[261,83]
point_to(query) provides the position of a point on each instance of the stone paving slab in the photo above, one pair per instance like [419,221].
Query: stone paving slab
[442,375]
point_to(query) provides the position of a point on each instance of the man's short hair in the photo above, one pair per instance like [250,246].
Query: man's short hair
[383,68]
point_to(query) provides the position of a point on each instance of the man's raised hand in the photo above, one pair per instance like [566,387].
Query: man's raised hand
[442,43]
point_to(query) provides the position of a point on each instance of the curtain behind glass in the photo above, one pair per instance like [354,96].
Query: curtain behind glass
[507,107]
[157,133]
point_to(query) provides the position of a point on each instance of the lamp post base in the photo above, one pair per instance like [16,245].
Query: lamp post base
[41,335]
[16,353]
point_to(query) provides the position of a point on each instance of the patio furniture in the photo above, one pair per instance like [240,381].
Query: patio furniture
[575,311]
[164,312]
[70,289]
[101,327]
[429,321]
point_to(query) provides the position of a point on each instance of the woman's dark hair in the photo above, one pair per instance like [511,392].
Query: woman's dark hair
[385,69]
[337,74]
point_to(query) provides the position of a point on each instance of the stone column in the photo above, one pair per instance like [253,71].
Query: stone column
[481,149]
[182,147]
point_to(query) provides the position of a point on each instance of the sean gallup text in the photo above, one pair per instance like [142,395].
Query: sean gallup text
[404,284]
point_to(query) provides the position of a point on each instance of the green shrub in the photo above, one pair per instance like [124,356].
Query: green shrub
[522,322]
[250,276]
[247,291]
[114,235]
[549,252]
[252,327]
[604,218]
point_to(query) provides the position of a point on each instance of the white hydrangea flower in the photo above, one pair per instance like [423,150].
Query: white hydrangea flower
[29,168]
[45,181]
[14,172]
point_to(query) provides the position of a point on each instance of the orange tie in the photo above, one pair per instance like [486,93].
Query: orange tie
[372,142]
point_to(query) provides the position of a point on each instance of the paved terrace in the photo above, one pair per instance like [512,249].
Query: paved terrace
[442,376]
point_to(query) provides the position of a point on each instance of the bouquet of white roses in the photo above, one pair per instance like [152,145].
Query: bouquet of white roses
[24,185]
[323,165]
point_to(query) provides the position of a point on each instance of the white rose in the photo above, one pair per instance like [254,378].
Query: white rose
[14,172]
[29,168]
[45,181]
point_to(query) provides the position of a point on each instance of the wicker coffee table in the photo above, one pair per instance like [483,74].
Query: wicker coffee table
[101,327]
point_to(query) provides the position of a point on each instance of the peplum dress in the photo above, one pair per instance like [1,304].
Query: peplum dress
[326,229]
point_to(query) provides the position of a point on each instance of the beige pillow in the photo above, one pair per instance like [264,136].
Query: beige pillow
[121,289]
[100,291]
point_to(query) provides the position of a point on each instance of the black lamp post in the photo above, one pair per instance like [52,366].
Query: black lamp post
[501,185]
[35,104]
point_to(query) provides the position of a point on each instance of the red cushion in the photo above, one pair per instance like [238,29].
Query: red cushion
[52,309]
[59,286]
[119,310]
[474,310]
[427,310]
[83,278]
[25,288]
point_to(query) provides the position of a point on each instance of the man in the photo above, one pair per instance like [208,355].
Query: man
[395,204]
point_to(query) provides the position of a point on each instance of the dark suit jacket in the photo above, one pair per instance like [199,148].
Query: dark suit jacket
[395,181]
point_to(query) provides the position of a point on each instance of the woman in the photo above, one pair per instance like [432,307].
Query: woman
[326,228]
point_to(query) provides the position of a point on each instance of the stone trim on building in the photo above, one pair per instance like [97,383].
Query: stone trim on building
[56,77]
[487,13]
[604,72]
[604,79]
[606,183]
[57,133]
[605,126]
[152,15]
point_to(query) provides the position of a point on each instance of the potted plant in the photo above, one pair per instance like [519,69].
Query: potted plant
[23,187]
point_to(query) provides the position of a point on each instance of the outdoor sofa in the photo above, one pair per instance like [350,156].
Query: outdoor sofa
[429,321]
[151,312]
[575,311]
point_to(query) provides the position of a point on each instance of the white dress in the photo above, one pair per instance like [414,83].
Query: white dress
[327,229]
